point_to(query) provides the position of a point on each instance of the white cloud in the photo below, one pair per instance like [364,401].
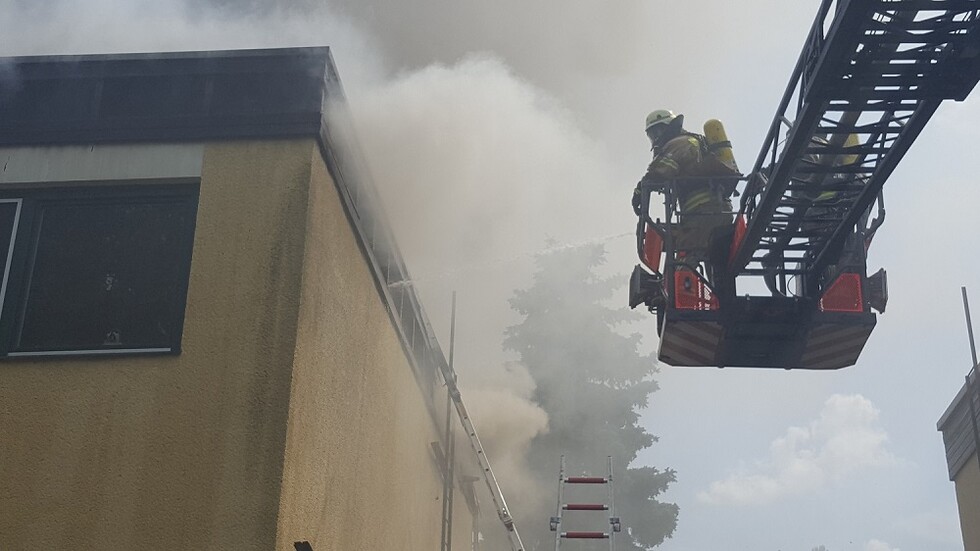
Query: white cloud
[878,545]
[843,440]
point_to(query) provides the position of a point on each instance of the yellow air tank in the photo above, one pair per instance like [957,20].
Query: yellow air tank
[714,134]
[851,141]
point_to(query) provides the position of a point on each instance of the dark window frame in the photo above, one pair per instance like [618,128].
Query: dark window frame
[19,259]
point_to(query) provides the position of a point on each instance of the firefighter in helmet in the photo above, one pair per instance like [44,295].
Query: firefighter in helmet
[705,207]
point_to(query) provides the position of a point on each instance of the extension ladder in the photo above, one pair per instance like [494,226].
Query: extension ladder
[557,521]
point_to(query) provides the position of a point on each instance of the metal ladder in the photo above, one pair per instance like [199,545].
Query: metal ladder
[557,520]
[495,494]
[449,378]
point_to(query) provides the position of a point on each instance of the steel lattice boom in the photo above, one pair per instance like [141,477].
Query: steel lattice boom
[870,76]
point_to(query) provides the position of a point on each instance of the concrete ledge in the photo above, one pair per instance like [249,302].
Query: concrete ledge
[23,165]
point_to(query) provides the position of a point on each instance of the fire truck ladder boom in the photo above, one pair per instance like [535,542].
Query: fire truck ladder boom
[871,74]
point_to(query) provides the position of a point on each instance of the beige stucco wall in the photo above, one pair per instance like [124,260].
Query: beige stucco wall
[968,500]
[174,452]
[291,414]
[358,471]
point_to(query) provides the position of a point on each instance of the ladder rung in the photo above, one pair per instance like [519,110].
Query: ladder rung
[585,507]
[586,480]
[585,535]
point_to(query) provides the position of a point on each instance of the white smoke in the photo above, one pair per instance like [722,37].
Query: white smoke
[62,27]
[475,163]
[557,44]
[477,168]
[499,398]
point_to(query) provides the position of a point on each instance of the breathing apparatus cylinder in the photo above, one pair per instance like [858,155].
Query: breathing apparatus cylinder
[851,141]
[714,134]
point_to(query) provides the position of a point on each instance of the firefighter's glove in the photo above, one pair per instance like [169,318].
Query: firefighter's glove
[637,201]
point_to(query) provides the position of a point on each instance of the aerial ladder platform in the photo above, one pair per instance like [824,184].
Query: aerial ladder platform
[870,76]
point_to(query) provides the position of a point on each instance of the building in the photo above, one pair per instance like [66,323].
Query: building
[201,346]
[959,425]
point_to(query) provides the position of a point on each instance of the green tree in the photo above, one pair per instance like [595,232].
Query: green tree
[591,380]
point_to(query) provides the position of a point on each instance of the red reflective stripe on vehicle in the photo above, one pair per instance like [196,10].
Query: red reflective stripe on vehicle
[689,343]
[834,346]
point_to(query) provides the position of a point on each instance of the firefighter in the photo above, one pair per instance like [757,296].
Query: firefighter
[705,207]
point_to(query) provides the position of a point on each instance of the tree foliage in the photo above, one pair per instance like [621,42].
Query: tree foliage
[591,380]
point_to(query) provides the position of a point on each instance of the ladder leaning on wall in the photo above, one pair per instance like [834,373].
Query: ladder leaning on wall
[495,494]
[449,378]
[558,520]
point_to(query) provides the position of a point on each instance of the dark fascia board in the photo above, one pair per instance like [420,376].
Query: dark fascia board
[173,96]
[957,429]
[957,402]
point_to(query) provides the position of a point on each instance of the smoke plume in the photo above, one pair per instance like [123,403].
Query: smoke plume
[477,168]
[499,398]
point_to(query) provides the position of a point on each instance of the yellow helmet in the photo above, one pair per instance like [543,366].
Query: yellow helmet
[660,116]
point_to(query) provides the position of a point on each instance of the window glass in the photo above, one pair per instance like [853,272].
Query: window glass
[107,275]
[9,211]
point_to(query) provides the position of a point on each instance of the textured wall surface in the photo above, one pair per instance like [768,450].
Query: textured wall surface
[292,413]
[174,452]
[968,500]
[358,471]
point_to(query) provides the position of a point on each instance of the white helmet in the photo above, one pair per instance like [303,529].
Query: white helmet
[660,116]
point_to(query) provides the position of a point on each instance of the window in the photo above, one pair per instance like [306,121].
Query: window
[99,270]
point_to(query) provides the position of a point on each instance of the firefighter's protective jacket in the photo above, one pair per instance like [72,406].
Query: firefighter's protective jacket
[682,157]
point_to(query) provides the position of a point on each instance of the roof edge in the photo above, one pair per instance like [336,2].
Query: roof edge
[957,400]
[165,96]
[173,54]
